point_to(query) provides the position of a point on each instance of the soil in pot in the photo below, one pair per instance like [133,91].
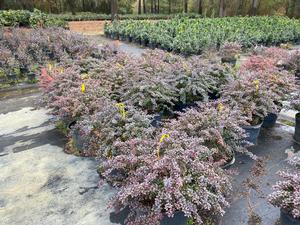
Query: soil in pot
[252,133]
[297,128]
[270,120]
[287,219]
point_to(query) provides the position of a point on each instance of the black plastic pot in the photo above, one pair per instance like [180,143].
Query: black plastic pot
[12,77]
[120,217]
[229,61]
[229,163]
[145,42]
[287,219]
[31,76]
[297,128]
[156,122]
[297,74]
[183,107]
[24,70]
[270,120]
[252,133]
[129,39]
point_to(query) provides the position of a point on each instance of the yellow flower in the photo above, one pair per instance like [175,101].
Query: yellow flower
[256,83]
[162,138]
[83,88]
[50,66]
[220,107]
[61,70]
[121,107]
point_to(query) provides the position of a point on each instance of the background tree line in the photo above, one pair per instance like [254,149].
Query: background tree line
[209,8]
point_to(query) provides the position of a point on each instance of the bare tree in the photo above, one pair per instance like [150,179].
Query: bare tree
[222,8]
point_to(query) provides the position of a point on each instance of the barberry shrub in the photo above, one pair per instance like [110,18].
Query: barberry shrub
[286,193]
[217,125]
[159,177]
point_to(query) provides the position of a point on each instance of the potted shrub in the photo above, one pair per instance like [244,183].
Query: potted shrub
[280,82]
[254,98]
[230,51]
[286,193]
[97,133]
[169,174]
[218,128]
[293,62]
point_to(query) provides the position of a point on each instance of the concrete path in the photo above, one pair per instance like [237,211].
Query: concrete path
[39,183]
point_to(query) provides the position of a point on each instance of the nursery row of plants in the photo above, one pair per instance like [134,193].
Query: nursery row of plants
[23,53]
[85,16]
[164,127]
[192,36]
[25,18]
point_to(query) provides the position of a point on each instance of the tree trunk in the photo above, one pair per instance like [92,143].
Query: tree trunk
[185,6]
[155,8]
[170,6]
[139,6]
[144,6]
[114,9]
[158,9]
[151,6]
[222,8]
[71,5]
[240,7]
[1,4]
[254,7]
[200,7]
[297,7]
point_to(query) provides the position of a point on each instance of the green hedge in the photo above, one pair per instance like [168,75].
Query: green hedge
[192,36]
[84,16]
[25,18]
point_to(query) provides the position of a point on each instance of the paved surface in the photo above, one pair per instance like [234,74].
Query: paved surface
[274,146]
[129,48]
[39,183]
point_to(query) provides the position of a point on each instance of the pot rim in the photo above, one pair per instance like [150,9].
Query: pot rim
[253,127]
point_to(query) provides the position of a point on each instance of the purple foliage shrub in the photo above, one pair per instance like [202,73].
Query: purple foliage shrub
[158,178]
[217,126]
[110,124]
[286,193]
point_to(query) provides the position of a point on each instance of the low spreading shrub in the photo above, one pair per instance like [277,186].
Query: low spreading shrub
[25,51]
[160,177]
[192,36]
[24,18]
[217,126]
[286,193]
